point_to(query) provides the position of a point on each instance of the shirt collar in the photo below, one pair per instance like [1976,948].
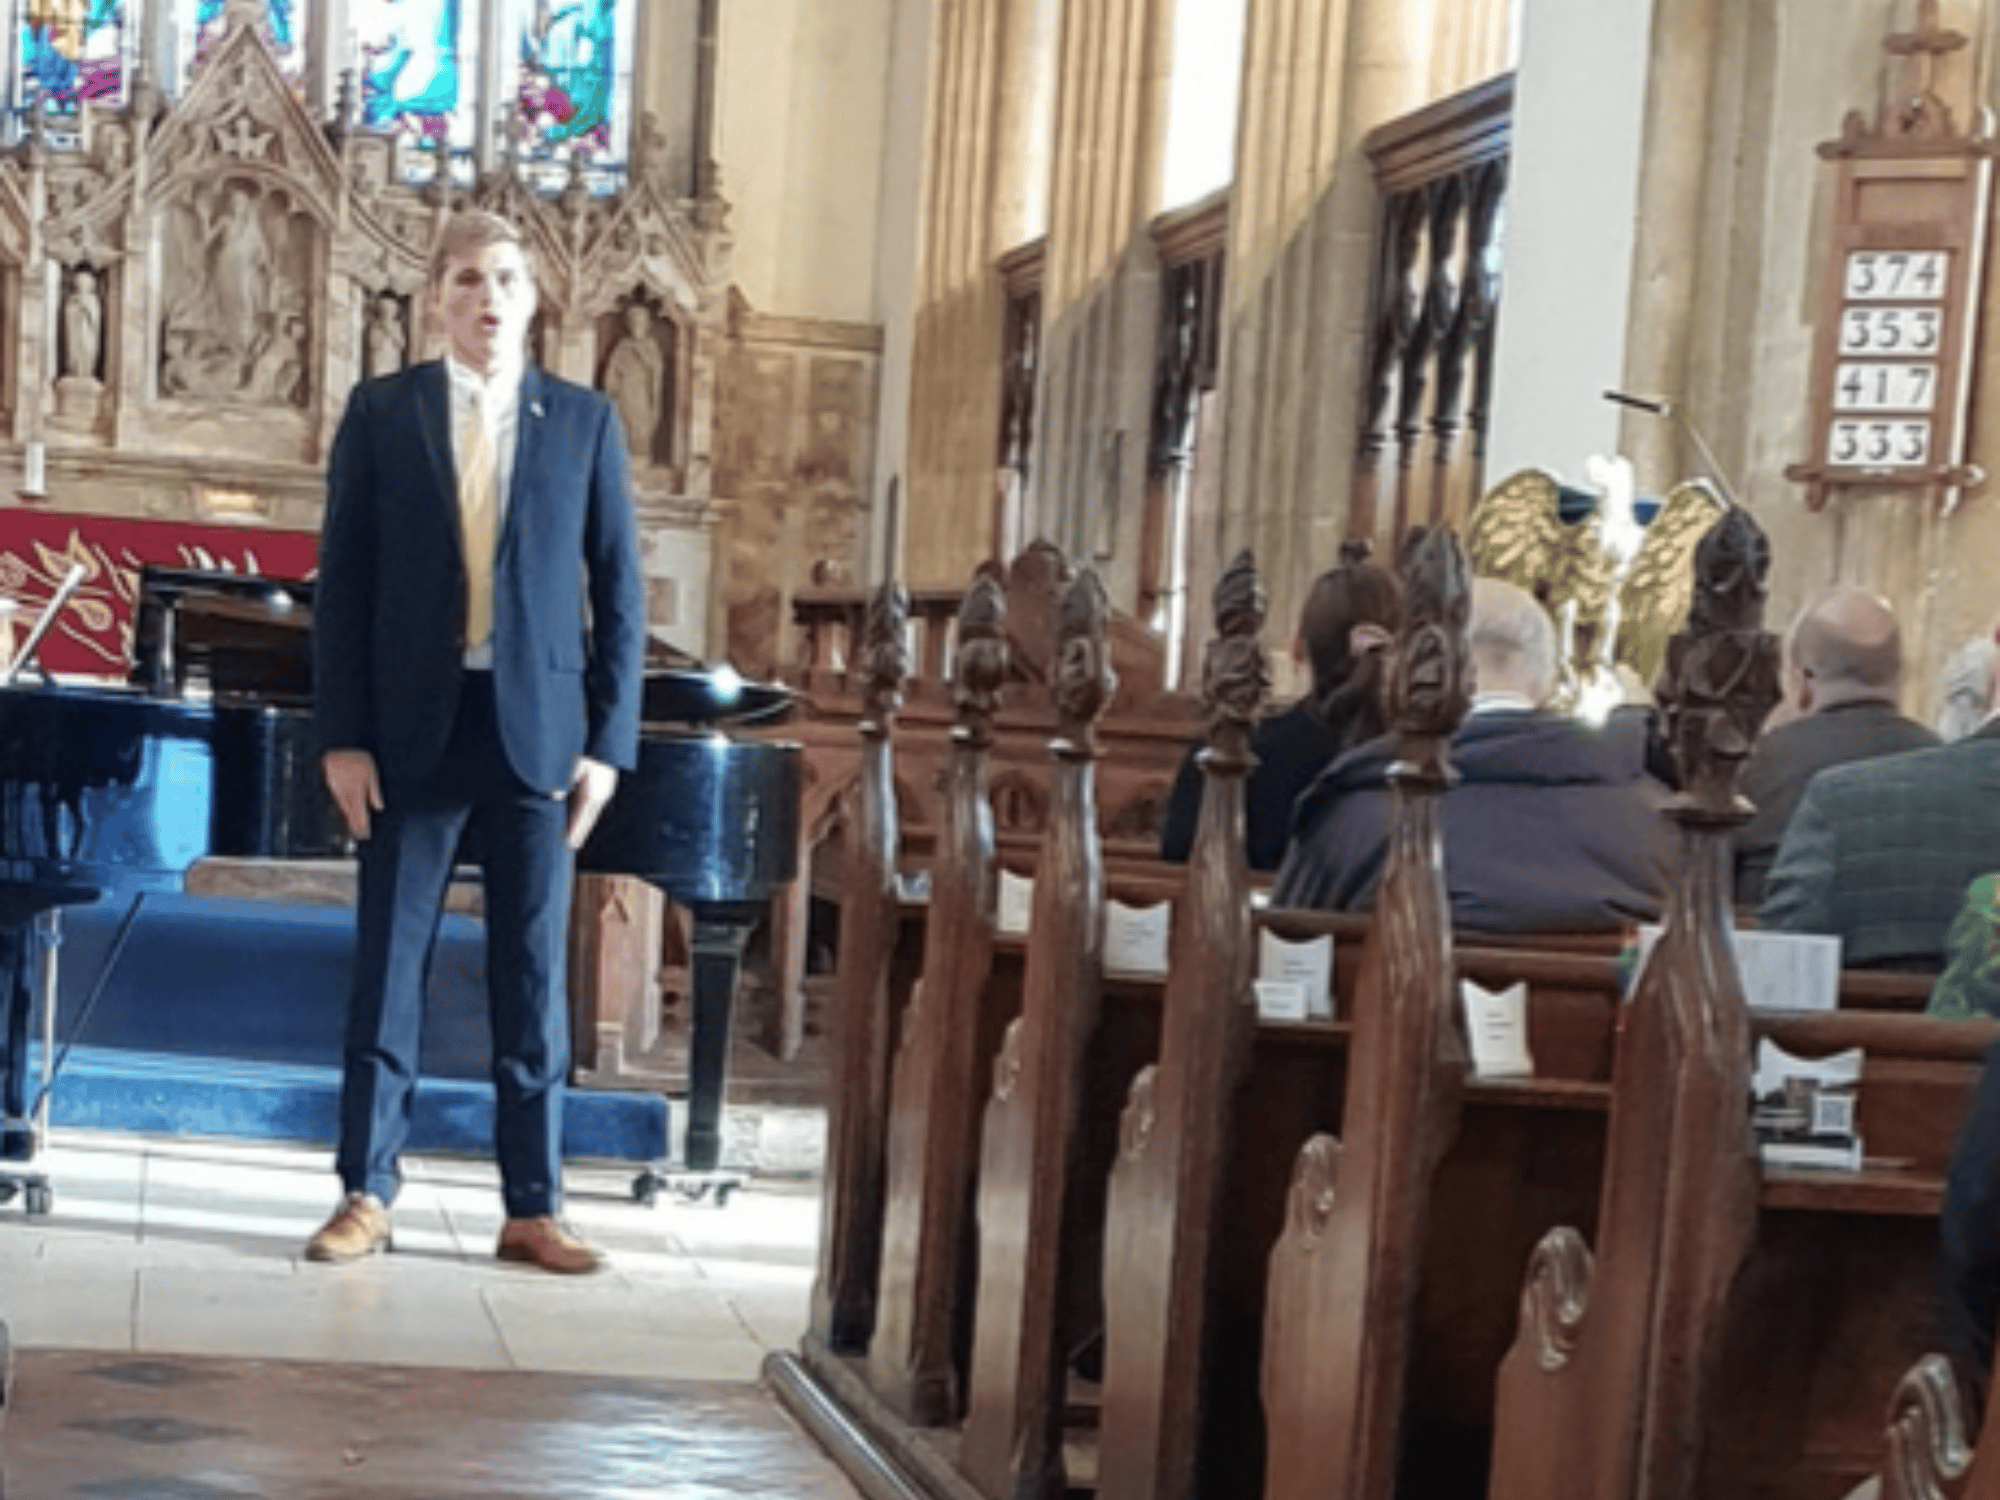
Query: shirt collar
[498,389]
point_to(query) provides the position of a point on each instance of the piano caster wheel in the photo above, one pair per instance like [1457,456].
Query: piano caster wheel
[645,1189]
[8,1190]
[40,1200]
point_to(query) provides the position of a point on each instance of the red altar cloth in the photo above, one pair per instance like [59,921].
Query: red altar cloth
[94,635]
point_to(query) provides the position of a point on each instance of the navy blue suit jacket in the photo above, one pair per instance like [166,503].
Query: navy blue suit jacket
[568,597]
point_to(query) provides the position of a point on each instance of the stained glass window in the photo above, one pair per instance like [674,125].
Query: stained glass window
[574,84]
[417,61]
[285,27]
[73,52]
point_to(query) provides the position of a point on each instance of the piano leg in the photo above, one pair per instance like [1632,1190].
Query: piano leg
[720,932]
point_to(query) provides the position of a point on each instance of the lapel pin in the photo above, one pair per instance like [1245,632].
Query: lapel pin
[535,408]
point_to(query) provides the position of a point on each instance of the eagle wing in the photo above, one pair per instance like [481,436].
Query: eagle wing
[1654,601]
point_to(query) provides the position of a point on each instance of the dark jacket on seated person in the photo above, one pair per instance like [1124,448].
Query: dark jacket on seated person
[1553,827]
[1786,758]
[1292,748]
[1880,852]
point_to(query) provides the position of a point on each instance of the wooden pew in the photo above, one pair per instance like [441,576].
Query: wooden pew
[842,1315]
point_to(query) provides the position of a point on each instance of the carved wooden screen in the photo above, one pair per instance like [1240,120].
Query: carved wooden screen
[1441,179]
[1190,247]
[1020,359]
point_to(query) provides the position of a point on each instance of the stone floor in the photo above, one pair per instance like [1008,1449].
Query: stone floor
[172,1344]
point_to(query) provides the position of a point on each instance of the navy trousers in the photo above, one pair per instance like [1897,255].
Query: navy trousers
[406,865]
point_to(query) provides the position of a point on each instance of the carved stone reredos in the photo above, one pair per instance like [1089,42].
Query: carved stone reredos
[240,117]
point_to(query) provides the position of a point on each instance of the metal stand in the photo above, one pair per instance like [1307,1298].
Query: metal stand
[37,1195]
[720,932]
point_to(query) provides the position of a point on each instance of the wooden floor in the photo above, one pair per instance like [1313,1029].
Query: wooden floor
[188,1428]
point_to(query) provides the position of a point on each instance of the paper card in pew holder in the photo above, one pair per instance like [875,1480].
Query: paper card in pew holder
[1781,970]
[1136,937]
[1308,965]
[1803,1108]
[1280,1000]
[1496,1028]
[1017,903]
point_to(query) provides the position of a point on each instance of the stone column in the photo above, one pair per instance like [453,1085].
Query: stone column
[1100,299]
[987,117]
[1317,78]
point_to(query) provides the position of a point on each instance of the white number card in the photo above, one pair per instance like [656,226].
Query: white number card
[1882,386]
[1496,1026]
[1901,444]
[1891,330]
[1895,275]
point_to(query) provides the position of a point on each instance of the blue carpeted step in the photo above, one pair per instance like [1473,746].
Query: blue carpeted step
[106,1088]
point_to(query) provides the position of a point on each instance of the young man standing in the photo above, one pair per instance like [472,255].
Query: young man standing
[478,641]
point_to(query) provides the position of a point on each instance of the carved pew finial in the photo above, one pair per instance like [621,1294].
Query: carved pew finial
[885,657]
[982,658]
[1722,671]
[1236,676]
[1084,681]
[1431,685]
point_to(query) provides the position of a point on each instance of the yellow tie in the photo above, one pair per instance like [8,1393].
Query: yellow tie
[477,494]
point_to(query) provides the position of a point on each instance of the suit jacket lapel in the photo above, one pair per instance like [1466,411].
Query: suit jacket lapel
[530,413]
[433,388]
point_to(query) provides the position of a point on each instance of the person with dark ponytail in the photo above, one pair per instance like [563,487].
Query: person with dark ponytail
[1349,621]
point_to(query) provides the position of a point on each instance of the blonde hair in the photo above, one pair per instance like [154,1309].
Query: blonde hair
[468,232]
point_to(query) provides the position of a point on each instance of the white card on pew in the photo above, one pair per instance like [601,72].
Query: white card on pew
[1280,1000]
[1135,937]
[1789,970]
[1496,1024]
[1017,903]
[1781,970]
[1308,964]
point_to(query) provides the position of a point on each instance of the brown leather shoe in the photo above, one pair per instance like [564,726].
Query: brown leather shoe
[549,1243]
[360,1226]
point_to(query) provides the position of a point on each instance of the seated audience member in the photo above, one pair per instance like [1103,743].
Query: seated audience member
[1969,987]
[1962,695]
[1879,853]
[1349,621]
[1843,672]
[1969,1237]
[1552,827]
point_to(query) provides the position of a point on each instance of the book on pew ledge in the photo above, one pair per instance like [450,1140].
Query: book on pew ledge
[1803,1108]
[1016,904]
[1781,970]
[1136,938]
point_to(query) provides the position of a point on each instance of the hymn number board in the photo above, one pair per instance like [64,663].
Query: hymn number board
[1885,387]
[1893,341]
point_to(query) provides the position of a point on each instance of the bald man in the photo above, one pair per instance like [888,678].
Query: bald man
[1552,827]
[1843,674]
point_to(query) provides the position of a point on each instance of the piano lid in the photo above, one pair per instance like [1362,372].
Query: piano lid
[249,636]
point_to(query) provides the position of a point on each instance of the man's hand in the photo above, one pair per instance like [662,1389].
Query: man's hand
[357,792]
[590,787]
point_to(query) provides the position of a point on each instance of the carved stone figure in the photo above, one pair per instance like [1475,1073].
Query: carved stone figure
[82,326]
[386,346]
[280,362]
[226,290]
[633,379]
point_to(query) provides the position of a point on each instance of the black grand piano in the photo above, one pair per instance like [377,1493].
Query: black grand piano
[208,750]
